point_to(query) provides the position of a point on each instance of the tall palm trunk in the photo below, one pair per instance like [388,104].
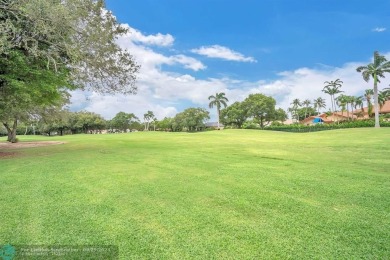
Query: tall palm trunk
[376,101]
[218,119]
[218,113]
[334,111]
[331,101]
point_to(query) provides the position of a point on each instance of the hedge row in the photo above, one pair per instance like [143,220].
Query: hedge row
[298,128]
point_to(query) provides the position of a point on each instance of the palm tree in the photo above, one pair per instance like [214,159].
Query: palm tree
[218,100]
[332,88]
[342,101]
[296,103]
[306,103]
[368,96]
[359,103]
[291,110]
[383,96]
[319,103]
[378,68]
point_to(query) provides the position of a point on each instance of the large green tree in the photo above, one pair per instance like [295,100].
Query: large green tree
[192,119]
[218,101]
[48,45]
[79,34]
[27,87]
[235,114]
[375,70]
[195,118]
[123,121]
[165,124]
[261,108]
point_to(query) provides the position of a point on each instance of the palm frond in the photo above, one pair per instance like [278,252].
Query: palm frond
[223,103]
[361,68]
[366,75]
[378,59]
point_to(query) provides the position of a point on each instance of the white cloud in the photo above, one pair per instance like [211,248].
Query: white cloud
[379,29]
[150,59]
[166,93]
[157,39]
[188,62]
[221,52]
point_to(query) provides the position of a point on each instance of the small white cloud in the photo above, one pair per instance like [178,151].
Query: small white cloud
[188,62]
[379,29]
[221,52]
[185,78]
[158,39]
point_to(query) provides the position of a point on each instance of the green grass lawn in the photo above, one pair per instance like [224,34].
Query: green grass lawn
[232,194]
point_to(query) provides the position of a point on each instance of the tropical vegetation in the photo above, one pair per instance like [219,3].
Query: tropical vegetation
[218,101]
[375,70]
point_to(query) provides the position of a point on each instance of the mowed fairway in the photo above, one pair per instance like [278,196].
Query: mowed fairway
[232,194]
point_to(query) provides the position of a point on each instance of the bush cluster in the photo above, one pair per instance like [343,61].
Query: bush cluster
[321,127]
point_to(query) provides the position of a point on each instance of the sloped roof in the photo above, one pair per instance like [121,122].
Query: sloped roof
[339,114]
[384,110]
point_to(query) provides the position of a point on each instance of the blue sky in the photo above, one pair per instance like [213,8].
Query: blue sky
[190,49]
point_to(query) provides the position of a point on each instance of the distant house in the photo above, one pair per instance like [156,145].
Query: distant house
[363,113]
[214,125]
[327,119]
[288,122]
[312,120]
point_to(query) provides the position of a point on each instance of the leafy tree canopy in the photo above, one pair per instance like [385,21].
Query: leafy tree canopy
[80,35]
[261,108]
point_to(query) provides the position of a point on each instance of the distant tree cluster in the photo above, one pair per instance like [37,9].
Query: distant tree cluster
[259,108]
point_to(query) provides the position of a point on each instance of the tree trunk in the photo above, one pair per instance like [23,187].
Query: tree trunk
[376,102]
[11,132]
[331,101]
[334,110]
[261,123]
[218,119]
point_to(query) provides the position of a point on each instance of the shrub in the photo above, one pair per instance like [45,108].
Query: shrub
[298,128]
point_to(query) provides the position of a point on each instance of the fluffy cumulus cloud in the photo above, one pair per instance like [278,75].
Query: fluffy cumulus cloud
[166,92]
[221,52]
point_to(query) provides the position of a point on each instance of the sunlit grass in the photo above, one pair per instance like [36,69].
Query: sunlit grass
[223,194]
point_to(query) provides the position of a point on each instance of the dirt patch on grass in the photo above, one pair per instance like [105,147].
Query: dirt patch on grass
[19,145]
[4,155]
